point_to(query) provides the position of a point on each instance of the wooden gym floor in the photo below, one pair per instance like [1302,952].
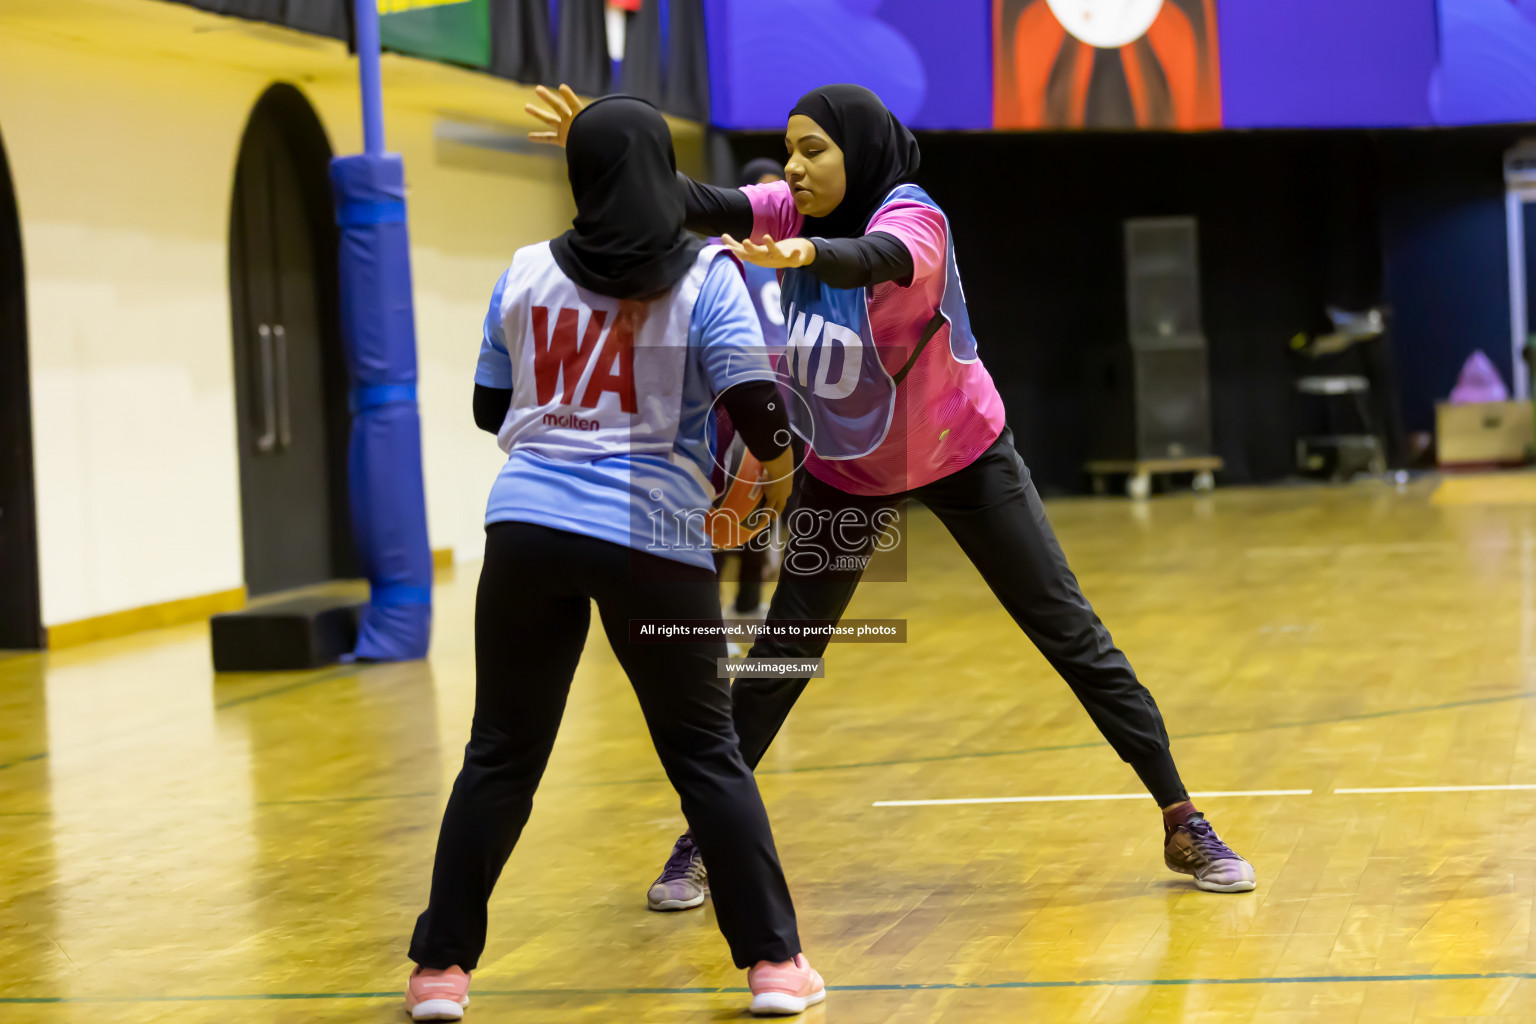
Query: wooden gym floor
[175,847]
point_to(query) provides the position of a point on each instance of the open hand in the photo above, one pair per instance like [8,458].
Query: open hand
[561,111]
[792,252]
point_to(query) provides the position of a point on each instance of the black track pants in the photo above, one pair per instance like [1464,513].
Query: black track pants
[531,617]
[993,511]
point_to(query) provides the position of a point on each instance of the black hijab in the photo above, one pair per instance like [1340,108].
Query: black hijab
[755,169]
[878,154]
[627,240]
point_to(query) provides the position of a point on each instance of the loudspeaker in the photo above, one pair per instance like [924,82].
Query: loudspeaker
[1162,283]
[1154,390]
[1151,405]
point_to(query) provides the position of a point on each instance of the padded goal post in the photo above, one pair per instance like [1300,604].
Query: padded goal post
[384,466]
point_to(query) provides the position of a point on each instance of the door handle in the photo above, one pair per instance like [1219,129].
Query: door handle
[268,438]
[284,420]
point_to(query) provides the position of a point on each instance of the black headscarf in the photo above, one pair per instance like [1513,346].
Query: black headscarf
[755,169]
[878,154]
[627,240]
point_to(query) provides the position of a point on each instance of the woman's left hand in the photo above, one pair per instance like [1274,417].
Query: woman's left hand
[792,252]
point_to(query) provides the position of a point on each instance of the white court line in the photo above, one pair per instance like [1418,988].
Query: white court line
[1082,797]
[1318,550]
[1079,797]
[1437,789]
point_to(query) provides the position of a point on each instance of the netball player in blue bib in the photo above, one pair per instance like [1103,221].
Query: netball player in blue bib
[604,353]
[891,394]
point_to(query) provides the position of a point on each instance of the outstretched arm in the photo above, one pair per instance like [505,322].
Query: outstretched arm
[710,210]
[713,210]
[840,262]
[860,262]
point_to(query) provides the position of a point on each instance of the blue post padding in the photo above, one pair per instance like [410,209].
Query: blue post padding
[389,509]
[365,17]
[371,397]
[356,215]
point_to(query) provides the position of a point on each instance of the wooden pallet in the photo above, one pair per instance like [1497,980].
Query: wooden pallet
[1138,473]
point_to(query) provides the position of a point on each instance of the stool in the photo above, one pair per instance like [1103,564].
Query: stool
[1350,452]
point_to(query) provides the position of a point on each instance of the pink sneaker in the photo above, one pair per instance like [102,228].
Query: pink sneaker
[784,989]
[437,995]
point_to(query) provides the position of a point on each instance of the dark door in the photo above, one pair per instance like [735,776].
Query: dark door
[20,615]
[1528,225]
[285,384]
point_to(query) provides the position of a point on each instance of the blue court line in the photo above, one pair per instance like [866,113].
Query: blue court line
[345,799]
[23,760]
[850,765]
[918,986]
[276,803]
[324,675]
[938,758]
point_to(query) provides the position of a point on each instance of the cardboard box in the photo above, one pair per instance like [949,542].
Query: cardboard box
[1485,433]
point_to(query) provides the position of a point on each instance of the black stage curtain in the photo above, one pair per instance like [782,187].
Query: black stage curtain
[581,47]
[687,92]
[641,74]
[322,17]
[673,73]
[520,42]
[1039,235]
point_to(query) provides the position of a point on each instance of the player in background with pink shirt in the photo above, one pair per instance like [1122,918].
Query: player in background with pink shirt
[890,395]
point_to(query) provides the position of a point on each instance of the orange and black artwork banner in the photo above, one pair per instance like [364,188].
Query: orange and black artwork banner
[1105,64]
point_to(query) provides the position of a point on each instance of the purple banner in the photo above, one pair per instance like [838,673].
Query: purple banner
[930,62]
[1283,63]
[1487,67]
[1327,63]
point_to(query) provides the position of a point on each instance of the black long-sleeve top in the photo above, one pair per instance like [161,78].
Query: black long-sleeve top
[840,262]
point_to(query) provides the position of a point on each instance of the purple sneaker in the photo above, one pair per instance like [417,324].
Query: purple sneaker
[683,884]
[1192,847]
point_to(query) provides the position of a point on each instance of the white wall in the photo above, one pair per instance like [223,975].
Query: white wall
[124,212]
[123,154]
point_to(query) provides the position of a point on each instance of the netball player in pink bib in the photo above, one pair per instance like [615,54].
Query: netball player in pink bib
[893,401]
[604,353]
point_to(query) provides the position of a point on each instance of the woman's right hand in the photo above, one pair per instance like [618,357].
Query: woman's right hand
[561,111]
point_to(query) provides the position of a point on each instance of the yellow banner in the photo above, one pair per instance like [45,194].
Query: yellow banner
[400,6]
